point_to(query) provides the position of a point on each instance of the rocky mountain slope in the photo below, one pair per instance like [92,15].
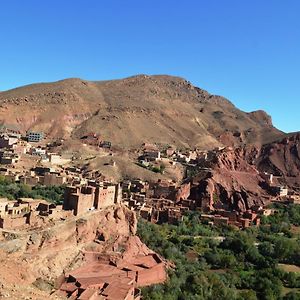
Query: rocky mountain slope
[282,159]
[231,181]
[235,177]
[130,111]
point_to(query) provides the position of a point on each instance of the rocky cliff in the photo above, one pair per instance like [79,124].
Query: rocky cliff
[40,256]
[282,159]
[230,181]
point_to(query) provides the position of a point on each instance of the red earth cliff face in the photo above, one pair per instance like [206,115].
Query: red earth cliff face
[230,182]
[282,159]
[233,178]
[46,253]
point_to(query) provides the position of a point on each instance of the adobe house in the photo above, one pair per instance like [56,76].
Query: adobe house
[52,179]
[80,200]
[14,214]
[85,198]
[7,141]
[29,180]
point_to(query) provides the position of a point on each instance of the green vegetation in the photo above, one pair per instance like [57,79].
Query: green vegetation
[13,191]
[153,168]
[240,265]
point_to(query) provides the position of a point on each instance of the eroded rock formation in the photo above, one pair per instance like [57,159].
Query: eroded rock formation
[44,254]
[230,181]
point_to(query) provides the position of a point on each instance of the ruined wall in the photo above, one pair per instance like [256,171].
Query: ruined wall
[9,223]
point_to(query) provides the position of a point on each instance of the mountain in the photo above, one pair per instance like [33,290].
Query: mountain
[157,109]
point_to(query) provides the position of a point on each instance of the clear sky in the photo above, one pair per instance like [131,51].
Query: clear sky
[245,50]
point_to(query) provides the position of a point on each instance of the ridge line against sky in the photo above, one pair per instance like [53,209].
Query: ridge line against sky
[246,51]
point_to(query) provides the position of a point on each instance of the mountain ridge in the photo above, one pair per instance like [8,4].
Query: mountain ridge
[141,108]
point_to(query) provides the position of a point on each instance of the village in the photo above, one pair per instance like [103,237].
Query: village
[162,201]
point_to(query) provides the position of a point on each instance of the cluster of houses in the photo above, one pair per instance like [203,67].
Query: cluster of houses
[166,202]
[151,154]
[234,218]
[77,200]
[47,176]
[159,202]
[13,145]
[26,212]
[94,196]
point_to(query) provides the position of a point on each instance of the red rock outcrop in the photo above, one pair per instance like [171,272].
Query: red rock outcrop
[115,275]
[261,117]
[231,181]
[282,159]
[45,253]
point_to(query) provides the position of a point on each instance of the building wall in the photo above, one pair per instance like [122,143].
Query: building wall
[84,203]
[67,204]
[118,193]
[79,200]
[3,206]
[35,136]
[29,180]
[4,142]
[33,204]
[7,160]
[100,198]
[53,179]
[11,223]
[54,158]
[7,142]
[110,199]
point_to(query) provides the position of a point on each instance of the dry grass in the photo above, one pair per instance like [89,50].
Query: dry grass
[289,268]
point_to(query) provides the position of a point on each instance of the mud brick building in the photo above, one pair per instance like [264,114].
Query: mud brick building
[85,198]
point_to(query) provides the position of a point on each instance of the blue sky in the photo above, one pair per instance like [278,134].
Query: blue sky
[247,51]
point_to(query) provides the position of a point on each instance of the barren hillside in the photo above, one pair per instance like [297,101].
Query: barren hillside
[130,111]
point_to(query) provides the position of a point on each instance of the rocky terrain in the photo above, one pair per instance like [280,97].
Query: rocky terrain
[233,178]
[282,158]
[31,261]
[231,181]
[130,111]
